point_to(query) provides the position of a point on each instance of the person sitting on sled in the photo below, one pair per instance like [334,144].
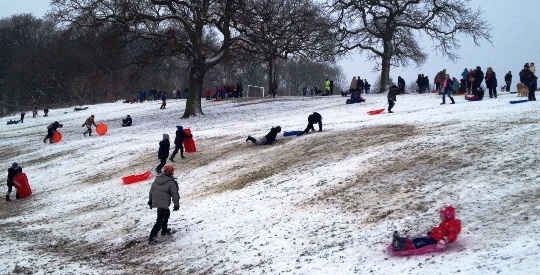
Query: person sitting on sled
[127,121]
[443,234]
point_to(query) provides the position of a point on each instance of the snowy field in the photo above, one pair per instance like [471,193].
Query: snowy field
[322,203]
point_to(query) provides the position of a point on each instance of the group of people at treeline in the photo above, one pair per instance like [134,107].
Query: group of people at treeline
[225,91]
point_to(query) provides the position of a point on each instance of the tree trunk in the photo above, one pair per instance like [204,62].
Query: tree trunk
[196,79]
[385,70]
[271,75]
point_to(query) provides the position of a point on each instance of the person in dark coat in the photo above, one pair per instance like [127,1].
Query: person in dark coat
[12,171]
[478,78]
[268,139]
[45,112]
[127,121]
[508,80]
[34,112]
[22,116]
[178,142]
[528,78]
[401,85]
[51,129]
[392,98]
[312,119]
[163,190]
[163,152]
[491,82]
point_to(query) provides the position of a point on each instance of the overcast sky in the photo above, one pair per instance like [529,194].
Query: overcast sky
[514,35]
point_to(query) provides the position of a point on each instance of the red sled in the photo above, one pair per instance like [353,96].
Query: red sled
[136,178]
[419,251]
[23,187]
[189,143]
[375,112]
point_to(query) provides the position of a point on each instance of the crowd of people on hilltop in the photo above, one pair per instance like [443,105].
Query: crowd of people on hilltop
[225,91]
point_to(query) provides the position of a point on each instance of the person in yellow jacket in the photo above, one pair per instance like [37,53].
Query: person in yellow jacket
[327,87]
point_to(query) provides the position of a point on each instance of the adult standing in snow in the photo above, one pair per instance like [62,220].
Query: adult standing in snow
[327,87]
[353,86]
[447,88]
[51,129]
[178,142]
[508,80]
[163,190]
[268,139]
[163,152]
[392,98]
[491,82]
[401,85]
[477,79]
[12,171]
[464,74]
[443,234]
[34,112]
[163,100]
[22,116]
[45,112]
[312,119]
[527,78]
[88,123]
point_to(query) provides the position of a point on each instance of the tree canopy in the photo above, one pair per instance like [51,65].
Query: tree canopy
[390,30]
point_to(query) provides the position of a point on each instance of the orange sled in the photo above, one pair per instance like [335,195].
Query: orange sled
[136,178]
[23,187]
[375,112]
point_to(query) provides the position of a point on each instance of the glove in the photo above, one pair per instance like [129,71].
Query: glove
[150,203]
[176,208]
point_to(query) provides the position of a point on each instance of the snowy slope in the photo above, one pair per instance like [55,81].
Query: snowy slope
[322,203]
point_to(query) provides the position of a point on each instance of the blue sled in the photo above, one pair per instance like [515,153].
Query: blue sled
[292,133]
[518,101]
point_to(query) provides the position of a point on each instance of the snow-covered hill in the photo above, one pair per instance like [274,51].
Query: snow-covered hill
[322,203]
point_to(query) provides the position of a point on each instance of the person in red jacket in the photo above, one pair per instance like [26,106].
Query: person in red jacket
[447,232]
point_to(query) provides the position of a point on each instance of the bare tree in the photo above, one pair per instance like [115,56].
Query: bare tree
[182,28]
[276,29]
[389,29]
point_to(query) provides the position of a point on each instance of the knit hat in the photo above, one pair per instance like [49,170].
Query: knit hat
[448,212]
[179,127]
[15,165]
[168,170]
[165,136]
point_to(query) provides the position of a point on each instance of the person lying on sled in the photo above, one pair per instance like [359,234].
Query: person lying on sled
[443,234]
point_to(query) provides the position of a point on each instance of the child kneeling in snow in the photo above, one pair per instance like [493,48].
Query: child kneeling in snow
[443,234]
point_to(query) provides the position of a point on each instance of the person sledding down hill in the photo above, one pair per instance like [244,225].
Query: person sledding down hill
[355,98]
[268,139]
[443,234]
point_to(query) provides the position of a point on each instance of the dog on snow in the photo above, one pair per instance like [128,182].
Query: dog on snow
[522,90]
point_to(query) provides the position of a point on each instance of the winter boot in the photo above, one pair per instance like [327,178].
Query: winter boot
[453,102]
[183,156]
[252,139]
[167,231]
[443,102]
[7,198]
[152,241]
[172,159]
[17,196]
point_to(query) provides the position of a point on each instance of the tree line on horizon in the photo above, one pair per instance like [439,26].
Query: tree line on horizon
[88,52]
